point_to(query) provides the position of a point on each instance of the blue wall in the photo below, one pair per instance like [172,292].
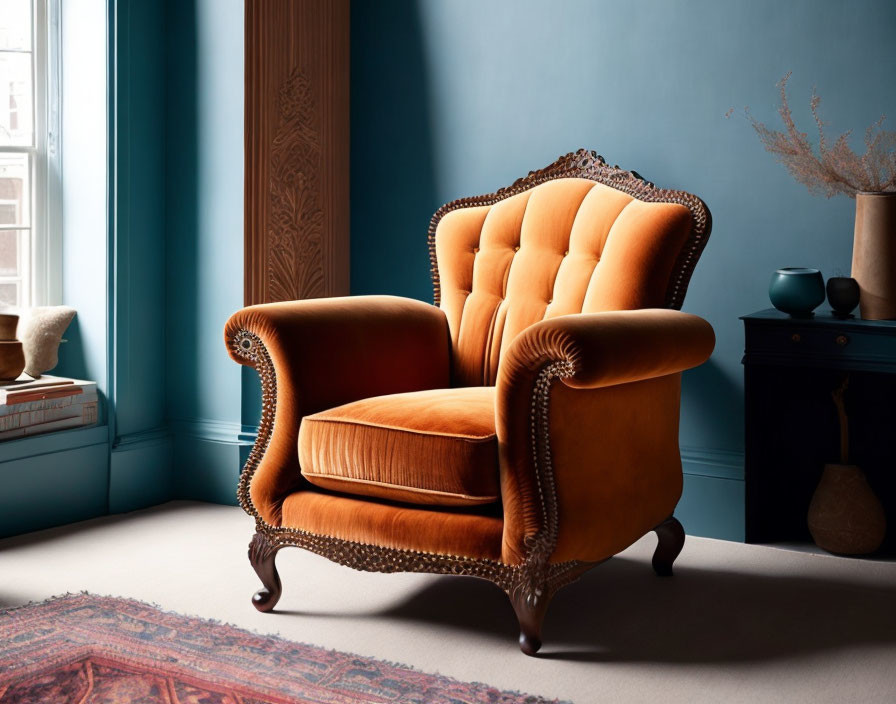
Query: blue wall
[204,242]
[458,98]
[140,460]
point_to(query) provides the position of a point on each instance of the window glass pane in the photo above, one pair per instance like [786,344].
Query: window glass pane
[15,99]
[15,24]
[15,193]
[9,252]
[9,294]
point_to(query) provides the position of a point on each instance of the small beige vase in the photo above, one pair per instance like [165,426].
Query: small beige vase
[874,255]
[845,517]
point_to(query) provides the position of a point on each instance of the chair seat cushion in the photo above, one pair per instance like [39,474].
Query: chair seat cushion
[433,447]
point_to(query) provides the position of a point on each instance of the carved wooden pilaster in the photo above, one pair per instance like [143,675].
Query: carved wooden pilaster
[297,149]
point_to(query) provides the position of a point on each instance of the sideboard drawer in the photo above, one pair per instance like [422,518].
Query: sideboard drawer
[801,341]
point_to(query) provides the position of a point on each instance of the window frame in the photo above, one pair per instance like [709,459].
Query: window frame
[40,254]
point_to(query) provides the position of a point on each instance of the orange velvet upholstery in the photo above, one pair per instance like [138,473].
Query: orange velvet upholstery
[566,246]
[433,447]
[445,532]
[613,426]
[417,427]
[332,351]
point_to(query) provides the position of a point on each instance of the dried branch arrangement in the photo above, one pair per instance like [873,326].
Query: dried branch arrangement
[836,168]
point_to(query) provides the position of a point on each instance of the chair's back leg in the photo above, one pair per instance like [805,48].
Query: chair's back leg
[670,534]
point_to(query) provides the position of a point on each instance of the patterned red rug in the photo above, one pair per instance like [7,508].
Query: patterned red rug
[104,650]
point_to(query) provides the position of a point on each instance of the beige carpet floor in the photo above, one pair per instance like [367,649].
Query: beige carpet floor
[738,623]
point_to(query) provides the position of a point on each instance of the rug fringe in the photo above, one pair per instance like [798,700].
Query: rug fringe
[531,699]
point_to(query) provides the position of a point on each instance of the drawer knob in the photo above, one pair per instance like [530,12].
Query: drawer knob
[795,337]
[842,340]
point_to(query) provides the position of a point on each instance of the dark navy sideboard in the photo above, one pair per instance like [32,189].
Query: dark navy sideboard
[791,367]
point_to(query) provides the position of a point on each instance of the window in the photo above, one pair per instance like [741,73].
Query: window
[29,168]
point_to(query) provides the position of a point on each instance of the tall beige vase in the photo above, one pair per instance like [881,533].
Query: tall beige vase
[874,255]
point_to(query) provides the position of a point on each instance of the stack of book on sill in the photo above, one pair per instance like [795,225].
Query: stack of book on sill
[32,406]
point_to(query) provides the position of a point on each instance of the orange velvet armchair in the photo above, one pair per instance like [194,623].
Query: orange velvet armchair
[523,429]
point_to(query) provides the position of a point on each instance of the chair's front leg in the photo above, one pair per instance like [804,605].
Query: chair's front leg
[262,553]
[530,609]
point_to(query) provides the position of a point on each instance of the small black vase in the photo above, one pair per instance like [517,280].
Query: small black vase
[843,295]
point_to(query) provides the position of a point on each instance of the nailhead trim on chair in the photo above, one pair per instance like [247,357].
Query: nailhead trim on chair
[534,579]
[591,165]
[250,347]
[541,545]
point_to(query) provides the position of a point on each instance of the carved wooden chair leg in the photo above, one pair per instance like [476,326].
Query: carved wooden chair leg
[261,556]
[671,540]
[530,611]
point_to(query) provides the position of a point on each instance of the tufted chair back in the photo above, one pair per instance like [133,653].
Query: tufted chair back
[576,237]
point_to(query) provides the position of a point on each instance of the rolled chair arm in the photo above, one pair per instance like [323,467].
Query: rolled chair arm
[320,353]
[603,349]
[588,401]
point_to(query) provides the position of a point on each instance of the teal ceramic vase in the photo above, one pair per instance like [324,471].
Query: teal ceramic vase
[797,291]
